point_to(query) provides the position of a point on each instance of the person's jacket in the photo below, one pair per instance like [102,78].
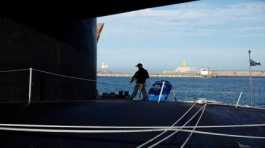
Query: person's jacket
[140,76]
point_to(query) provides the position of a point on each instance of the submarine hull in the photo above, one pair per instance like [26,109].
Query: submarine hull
[126,113]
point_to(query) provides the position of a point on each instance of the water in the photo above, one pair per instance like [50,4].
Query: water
[224,89]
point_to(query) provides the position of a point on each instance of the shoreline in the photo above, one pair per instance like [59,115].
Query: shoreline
[211,74]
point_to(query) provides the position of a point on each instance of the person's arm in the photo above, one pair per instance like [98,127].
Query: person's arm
[147,75]
[133,77]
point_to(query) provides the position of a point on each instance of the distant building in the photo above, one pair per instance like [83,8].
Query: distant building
[184,67]
[204,72]
[104,67]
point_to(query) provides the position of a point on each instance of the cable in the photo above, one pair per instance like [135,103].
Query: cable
[74,77]
[130,127]
[188,138]
[14,70]
[64,76]
[176,122]
[76,130]
[122,131]
[172,134]
[223,135]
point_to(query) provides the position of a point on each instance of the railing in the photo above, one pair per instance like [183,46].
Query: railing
[31,81]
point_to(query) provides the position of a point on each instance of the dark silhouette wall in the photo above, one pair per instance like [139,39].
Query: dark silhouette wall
[65,46]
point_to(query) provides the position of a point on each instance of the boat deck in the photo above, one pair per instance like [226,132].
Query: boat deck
[126,113]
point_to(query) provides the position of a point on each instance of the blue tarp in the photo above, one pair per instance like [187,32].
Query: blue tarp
[154,91]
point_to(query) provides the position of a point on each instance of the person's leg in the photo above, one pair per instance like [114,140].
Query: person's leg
[145,95]
[135,91]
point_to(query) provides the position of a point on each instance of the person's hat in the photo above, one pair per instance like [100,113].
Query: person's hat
[139,65]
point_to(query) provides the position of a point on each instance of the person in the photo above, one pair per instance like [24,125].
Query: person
[140,77]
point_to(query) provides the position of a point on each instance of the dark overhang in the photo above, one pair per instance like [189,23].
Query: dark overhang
[119,6]
[81,10]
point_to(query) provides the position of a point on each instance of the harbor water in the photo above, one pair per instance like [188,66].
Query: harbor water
[223,89]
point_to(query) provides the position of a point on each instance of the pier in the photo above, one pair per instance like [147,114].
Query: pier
[213,73]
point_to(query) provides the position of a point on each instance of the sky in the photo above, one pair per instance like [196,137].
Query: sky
[208,33]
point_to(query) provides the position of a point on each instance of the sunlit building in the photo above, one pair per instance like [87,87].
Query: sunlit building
[184,67]
[204,72]
[104,67]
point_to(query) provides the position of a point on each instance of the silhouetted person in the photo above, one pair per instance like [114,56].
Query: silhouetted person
[140,76]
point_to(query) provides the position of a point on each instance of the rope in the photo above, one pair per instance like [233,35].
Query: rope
[188,138]
[224,135]
[13,70]
[64,76]
[123,131]
[176,131]
[67,77]
[76,130]
[176,122]
[217,103]
[229,126]
[252,107]
[76,78]
[131,127]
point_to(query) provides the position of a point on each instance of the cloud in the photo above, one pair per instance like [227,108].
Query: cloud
[200,18]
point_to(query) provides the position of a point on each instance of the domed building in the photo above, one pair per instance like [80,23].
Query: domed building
[184,67]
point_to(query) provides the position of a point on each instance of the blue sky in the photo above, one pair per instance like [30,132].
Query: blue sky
[207,33]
